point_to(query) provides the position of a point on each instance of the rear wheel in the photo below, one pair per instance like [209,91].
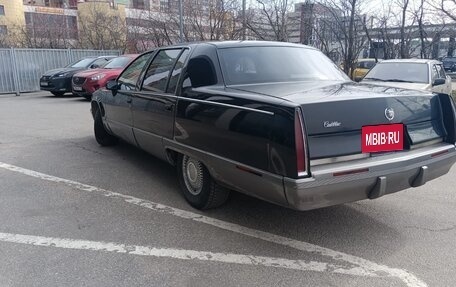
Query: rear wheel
[101,135]
[88,97]
[58,94]
[200,190]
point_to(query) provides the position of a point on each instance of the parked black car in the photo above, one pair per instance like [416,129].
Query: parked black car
[278,121]
[58,81]
[449,64]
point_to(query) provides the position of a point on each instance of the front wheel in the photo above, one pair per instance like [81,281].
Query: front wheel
[199,188]
[101,135]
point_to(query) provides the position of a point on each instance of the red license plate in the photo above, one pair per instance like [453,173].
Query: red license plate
[382,138]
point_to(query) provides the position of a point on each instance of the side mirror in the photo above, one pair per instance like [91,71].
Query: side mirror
[438,82]
[94,66]
[112,85]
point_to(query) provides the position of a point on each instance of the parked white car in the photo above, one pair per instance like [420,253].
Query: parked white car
[416,74]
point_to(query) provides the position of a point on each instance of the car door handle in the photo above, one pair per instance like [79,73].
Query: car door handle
[169,107]
[129,100]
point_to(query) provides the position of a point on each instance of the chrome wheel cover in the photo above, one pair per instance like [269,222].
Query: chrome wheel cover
[192,171]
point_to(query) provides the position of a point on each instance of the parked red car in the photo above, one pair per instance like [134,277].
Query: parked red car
[87,82]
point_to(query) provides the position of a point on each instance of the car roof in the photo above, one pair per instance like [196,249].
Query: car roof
[239,44]
[99,57]
[418,61]
[366,60]
[129,55]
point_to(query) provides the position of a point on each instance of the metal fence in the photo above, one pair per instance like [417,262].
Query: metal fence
[21,69]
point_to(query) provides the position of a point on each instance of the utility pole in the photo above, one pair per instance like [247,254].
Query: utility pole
[181,22]
[244,20]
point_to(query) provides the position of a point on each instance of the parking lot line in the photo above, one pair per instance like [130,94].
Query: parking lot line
[182,254]
[359,266]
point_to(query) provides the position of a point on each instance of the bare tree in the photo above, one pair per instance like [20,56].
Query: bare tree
[101,29]
[403,4]
[270,21]
[45,31]
[203,20]
[448,7]
[346,23]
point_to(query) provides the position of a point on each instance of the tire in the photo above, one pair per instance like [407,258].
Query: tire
[58,94]
[101,135]
[199,188]
[88,97]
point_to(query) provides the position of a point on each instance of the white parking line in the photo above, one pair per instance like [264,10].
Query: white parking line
[358,266]
[182,254]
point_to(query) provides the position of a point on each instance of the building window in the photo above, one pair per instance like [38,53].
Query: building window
[138,4]
[164,5]
[3,30]
[2,10]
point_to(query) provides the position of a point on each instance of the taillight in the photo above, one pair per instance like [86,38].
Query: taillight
[300,144]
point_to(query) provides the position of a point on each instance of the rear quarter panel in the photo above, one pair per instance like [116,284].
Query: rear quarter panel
[259,133]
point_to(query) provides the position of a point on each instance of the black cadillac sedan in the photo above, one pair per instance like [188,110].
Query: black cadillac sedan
[277,121]
[58,81]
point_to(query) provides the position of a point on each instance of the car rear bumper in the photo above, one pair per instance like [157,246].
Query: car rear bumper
[372,177]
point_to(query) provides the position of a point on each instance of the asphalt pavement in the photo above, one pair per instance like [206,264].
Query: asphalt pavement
[73,213]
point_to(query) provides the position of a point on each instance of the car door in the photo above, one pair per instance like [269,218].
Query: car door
[117,104]
[154,105]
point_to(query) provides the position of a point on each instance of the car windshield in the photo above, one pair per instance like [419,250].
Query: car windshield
[449,60]
[117,63]
[399,72]
[81,63]
[251,65]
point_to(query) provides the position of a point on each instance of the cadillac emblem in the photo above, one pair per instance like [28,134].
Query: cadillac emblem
[389,114]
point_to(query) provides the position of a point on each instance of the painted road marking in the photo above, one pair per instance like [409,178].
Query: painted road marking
[183,254]
[357,265]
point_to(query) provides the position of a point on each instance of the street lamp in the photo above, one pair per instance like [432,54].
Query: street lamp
[181,23]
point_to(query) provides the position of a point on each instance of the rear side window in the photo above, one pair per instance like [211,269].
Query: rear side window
[158,73]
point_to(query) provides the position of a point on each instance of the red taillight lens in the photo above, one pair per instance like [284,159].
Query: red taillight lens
[300,144]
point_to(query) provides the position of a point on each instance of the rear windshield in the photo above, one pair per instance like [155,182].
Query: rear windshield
[251,65]
[117,63]
[399,72]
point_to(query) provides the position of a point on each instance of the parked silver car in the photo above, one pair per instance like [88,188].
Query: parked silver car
[415,74]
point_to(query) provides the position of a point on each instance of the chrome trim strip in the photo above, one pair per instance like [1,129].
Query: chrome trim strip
[226,105]
[338,159]
[151,95]
[173,145]
[428,143]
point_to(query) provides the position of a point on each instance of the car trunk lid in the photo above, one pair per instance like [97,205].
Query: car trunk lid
[334,114]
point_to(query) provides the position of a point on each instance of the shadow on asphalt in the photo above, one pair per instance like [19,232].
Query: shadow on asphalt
[346,226]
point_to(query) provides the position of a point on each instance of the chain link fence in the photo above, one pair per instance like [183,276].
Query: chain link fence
[21,69]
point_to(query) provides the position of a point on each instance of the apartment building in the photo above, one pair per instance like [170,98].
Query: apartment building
[11,14]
